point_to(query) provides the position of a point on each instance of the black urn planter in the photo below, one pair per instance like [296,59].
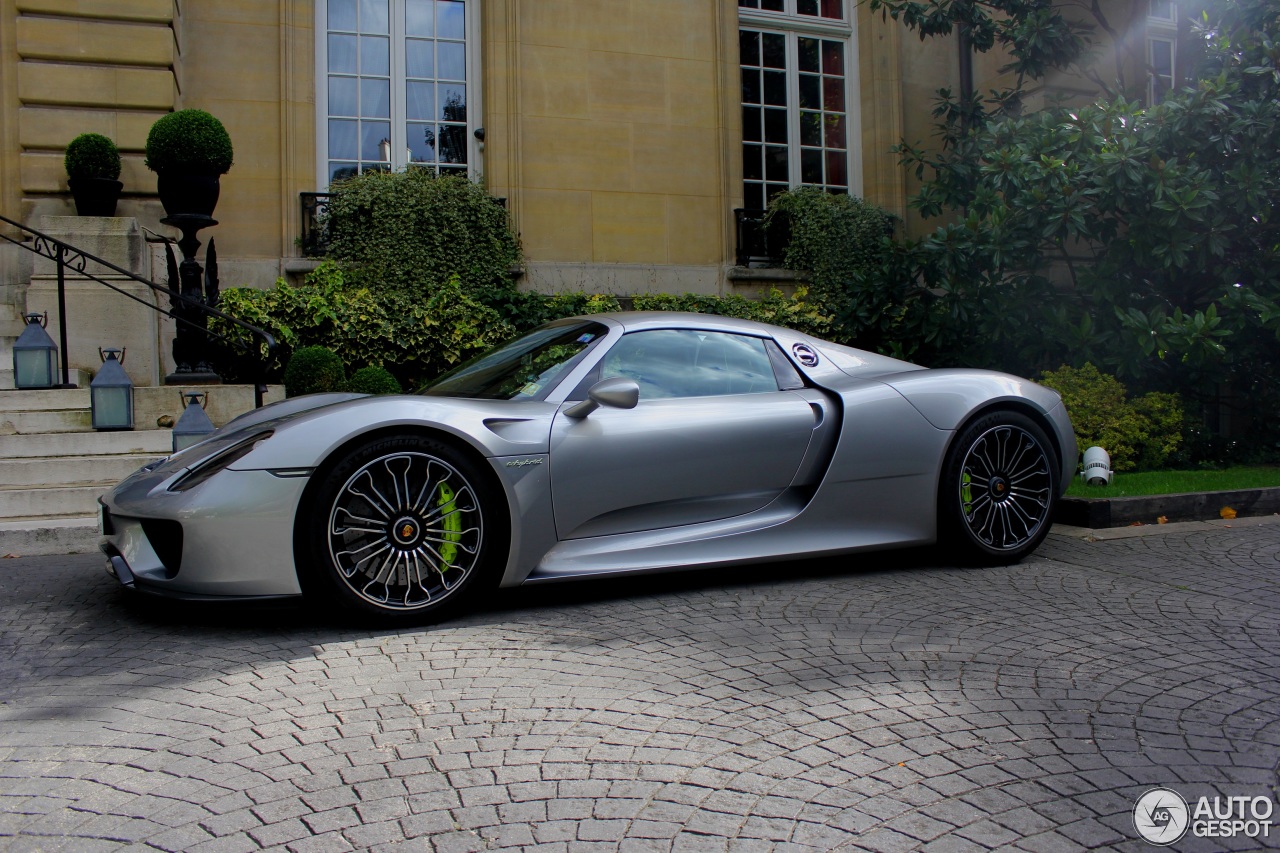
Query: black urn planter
[186,193]
[95,196]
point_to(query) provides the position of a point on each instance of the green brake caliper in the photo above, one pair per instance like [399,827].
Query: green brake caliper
[966,493]
[452,525]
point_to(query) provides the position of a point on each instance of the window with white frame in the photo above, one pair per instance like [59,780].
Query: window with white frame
[395,85]
[798,97]
[1162,48]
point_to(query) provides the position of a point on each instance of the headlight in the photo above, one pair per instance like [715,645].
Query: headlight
[218,462]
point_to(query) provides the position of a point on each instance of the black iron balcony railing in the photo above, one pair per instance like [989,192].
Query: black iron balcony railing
[315,239]
[760,245]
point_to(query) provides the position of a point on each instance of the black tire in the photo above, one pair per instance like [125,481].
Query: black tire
[403,529]
[999,487]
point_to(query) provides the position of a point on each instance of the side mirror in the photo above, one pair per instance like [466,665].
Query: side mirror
[616,393]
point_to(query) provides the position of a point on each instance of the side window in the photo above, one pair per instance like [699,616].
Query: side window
[687,363]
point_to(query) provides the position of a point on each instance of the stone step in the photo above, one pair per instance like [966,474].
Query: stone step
[71,470]
[51,420]
[50,501]
[153,442]
[77,377]
[33,537]
[30,400]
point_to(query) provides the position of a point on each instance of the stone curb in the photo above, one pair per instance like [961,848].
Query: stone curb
[1100,513]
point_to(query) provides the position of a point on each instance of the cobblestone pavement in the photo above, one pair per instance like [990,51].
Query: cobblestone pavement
[881,703]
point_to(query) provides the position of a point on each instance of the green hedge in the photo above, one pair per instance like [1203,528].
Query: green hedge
[313,370]
[92,155]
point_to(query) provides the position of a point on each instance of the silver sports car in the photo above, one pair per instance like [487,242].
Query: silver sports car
[603,445]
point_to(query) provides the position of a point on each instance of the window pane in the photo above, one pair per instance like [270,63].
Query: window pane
[750,86]
[753,197]
[775,163]
[344,95]
[749,4]
[419,58]
[833,9]
[671,363]
[752,164]
[1162,57]
[375,58]
[838,168]
[749,47]
[771,5]
[420,100]
[342,171]
[450,21]
[833,94]
[833,58]
[807,7]
[751,124]
[453,144]
[775,126]
[811,129]
[342,140]
[419,18]
[342,15]
[774,190]
[373,16]
[775,88]
[453,103]
[810,92]
[375,140]
[836,136]
[422,143]
[375,98]
[810,166]
[342,54]
[453,63]
[775,50]
[808,55]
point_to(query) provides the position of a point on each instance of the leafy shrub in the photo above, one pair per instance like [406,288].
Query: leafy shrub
[1138,434]
[373,379]
[415,339]
[92,155]
[189,141]
[412,231]
[313,370]
[793,312]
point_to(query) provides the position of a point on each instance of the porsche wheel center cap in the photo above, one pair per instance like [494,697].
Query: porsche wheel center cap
[406,531]
[999,488]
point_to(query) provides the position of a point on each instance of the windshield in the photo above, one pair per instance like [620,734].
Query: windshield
[524,369]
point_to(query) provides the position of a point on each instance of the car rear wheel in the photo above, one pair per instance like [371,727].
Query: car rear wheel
[999,488]
[404,528]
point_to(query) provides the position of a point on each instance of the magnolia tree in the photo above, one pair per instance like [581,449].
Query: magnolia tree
[1142,239]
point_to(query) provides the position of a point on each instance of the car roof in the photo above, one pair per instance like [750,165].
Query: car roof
[632,321]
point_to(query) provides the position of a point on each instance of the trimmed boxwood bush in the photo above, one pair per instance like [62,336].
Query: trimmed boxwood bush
[92,155]
[313,370]
[373,379]
[189,141]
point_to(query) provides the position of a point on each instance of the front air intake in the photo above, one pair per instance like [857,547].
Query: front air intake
[166,540]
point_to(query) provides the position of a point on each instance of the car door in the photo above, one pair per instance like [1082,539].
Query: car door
[713,436]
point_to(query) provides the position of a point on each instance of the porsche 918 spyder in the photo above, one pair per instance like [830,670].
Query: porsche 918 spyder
[603,445]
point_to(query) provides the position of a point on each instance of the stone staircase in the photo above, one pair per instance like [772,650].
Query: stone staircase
[53,466]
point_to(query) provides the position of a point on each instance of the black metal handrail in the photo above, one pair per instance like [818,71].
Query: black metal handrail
[315,238]
[67,256]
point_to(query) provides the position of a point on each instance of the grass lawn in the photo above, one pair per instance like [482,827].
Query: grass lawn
[1177,482]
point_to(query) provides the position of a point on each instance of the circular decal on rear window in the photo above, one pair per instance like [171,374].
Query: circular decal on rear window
[805,355]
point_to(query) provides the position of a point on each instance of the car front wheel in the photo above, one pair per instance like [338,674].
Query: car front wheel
[404,528]
[999,488]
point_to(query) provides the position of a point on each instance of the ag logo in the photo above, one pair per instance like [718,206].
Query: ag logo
[1161,816]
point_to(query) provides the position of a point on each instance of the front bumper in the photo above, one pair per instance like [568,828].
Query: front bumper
[231,537]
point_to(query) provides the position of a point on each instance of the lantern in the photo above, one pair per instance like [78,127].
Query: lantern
[194,426]
[35,355]
[111,393]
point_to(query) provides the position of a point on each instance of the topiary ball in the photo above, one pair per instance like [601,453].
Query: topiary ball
[189,141]
[92,155]
[373,379]
[313,370]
